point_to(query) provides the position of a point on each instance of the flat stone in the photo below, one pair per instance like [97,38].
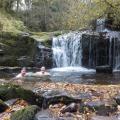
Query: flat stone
[11,102]
[83,96]
[102,107]
[106,118]
[66,118]
[95,104]
[104,69]
[58,96]
[70,108]
[44,115]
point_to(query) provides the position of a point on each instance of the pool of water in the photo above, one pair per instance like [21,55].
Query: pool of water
[83,76]
[78,75]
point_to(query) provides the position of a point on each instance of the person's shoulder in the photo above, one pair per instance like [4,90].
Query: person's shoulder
[19,75]
[46,73]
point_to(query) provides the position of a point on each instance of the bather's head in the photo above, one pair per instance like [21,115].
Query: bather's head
[42,69]
[23,71]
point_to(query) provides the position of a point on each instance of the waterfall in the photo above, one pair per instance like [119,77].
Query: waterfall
[67,49]
[114,38]
[76,50]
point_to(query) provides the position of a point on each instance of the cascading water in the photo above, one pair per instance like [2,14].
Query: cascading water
[67,50]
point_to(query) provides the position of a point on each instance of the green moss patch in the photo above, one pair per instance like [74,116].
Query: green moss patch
[9,91]
[27,113]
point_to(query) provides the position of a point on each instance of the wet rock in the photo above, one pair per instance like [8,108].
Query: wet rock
[102,107]
[8,92]
[25,61]
[95,105]
[70,108]
[106,118]
[83,96]
[44,55]
[104,69]
[44,115]
[11,102]
[1,52]
[95,93]
[68,118]
[117,99]
[60,96]
[10,69]
[3,106]
[57,96]
[27,113]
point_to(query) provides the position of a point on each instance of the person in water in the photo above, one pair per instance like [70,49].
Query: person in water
[22,73]
[42,72]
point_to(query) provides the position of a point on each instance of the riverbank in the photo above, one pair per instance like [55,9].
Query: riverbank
[74,101]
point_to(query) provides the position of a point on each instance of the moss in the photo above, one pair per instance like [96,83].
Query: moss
[25,114]
[9,23]
[46,37]
[9,91]
[14,46]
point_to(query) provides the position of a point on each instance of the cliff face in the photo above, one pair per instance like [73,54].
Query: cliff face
[15,47]
[23,50]
[95,50]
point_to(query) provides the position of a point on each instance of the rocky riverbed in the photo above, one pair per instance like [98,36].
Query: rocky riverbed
[59,101]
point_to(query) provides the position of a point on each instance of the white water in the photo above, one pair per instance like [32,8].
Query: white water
[73,69]
[67,49]
[67,53]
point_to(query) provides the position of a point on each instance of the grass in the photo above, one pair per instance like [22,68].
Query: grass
[45,36]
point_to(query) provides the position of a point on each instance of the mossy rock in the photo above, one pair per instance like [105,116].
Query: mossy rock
[3,106]
[9,91]
[27,113]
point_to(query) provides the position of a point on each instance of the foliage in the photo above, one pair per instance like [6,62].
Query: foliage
[51,15]
[9,23]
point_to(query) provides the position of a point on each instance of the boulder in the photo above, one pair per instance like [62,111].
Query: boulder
[27,113]
[95,105]
[11,102]
[8,92]
[104,69]
[117,98]
[44,56]
[3,106]
[70,108]
[102,107]
[57,96]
